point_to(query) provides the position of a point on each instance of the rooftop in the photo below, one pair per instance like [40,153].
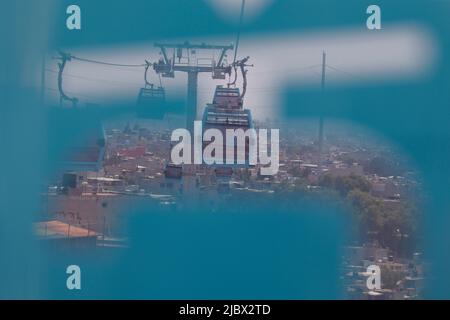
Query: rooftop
[55,229]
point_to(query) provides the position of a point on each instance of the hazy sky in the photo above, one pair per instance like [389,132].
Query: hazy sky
[359,57]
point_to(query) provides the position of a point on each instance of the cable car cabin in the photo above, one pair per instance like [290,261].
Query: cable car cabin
[227,98]
[227,112]
[151,103]
[223,119]
[173,171]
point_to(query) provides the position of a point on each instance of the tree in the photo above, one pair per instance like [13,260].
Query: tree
[345,184]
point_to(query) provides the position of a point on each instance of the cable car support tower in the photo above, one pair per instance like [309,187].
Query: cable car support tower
[184,59]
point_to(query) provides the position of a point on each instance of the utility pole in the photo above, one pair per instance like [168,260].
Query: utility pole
[324,57]
[181,60]
[191,115]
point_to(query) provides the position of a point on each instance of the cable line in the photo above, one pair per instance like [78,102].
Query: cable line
[238,36]
[105,81]
[239,31]
[290,70]
[347,73]
[108,63]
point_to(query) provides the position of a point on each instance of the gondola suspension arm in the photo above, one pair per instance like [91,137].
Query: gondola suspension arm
[61,65]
